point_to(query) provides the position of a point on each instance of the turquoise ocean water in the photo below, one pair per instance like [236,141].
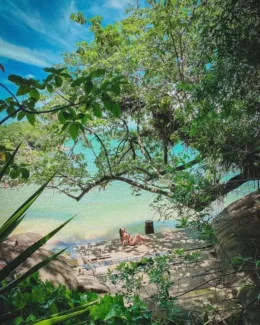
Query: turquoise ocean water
[99,214]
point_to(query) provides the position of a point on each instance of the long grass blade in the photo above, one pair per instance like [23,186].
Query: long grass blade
[28,252]
[20,211]
[6,165]
[34,196]
[34,269]
[5,234]
[67,314]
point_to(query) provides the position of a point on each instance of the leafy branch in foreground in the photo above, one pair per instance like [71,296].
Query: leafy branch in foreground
[96,92]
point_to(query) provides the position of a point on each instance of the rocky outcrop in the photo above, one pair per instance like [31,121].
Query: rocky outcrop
[58,271]
[91,283]
[237,228]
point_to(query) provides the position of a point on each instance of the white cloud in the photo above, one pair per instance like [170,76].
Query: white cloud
[25,15]
[25,55]
[109,10]
[28,76]
[116,4]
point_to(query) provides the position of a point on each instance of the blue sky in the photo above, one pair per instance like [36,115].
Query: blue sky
[35,33]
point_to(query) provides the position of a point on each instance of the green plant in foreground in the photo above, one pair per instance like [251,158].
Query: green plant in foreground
[134,276]
[7,228]
[33,300]
[39,302]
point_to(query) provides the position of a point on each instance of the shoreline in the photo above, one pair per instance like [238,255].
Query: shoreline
[98,257]
[72,246]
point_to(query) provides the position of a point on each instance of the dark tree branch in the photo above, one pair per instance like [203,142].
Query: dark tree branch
[118,177]
[90,186]
[104,148]
[224,188]
[10,115]
[143,186]
[96,156]
[124,154]
[179,168]
[10,93]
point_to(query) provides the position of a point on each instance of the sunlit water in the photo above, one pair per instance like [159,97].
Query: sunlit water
[99,215]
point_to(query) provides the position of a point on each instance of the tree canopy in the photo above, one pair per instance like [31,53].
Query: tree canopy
[170,74]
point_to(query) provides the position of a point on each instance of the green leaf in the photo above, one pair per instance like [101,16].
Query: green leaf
[67,314]
[80,116]
[107,104]
[88,86]
[20,115]
[65,126]
[97,110]
[85,119]
[78,18]
[16,79]
[53,309]
[9,162]
[22,90]
[78,82]
[18,320]
[97,73]
[65,75]
[19,302]
[67,116]
[74,130]
[30,118]
[80,51]
[25,173]
[9,100]
[40,86]
[116,109]
[14,173]
[34,93]
[58,81]
[50,89]
[81,99]
[51,70]
[38,295]
[31,318]
[49,78]
[58,71]
[115,89]
[81,127]
[72,112]
[61,117]
[10,110]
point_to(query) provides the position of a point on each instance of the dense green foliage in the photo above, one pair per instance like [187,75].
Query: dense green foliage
[34,300]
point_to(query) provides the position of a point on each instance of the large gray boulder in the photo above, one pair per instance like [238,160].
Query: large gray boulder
[58,271]
[237,228]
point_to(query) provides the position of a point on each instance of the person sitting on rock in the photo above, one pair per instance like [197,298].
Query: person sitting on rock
[126,239]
